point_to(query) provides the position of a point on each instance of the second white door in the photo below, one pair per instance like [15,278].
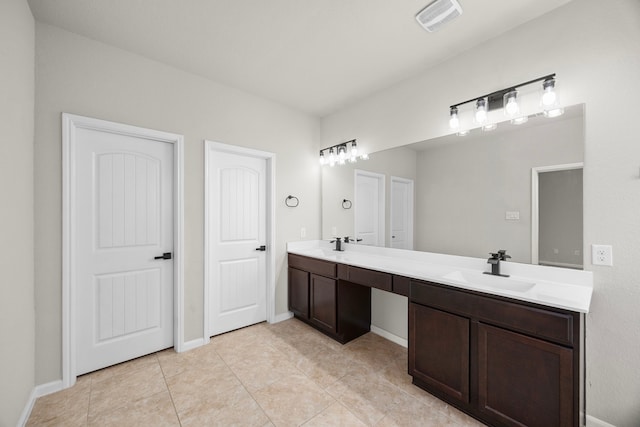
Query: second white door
[237,240]
[369,208]
[401,211]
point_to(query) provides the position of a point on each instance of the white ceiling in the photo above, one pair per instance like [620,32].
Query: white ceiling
[313,55]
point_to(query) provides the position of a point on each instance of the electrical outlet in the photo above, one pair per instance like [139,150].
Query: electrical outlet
[303,232]
[602,255]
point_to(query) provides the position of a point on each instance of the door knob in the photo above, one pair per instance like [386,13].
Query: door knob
[261,248]
[166,255]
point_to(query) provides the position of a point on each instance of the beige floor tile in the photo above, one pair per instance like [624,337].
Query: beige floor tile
[173,363]
[292,400]
[125,368]
[65,408]
[256,373]
[233,406]
[263,375]
[368,396]
[192,386]
[155,410]
[126,388]
[335,415]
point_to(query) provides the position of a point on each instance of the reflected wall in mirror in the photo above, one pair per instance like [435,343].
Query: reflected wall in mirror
[473,194]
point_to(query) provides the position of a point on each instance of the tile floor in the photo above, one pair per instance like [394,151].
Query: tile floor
[286,374]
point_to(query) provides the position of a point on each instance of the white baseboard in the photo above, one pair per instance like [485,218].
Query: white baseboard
[38,391]
[190,345]
[282,317]
[48,388]
[388,335]
[26,412]
[594,422]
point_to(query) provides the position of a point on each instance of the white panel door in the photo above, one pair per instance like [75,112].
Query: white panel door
[123,220]
[369,208]
[238,281]
[401,212]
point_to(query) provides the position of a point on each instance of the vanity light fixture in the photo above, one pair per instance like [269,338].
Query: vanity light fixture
[509,100]
[340,153]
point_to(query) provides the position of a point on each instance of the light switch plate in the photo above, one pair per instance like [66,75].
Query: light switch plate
[303,232]
[512,215]
[602,255]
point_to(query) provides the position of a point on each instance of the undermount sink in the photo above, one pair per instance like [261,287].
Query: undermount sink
[488,281]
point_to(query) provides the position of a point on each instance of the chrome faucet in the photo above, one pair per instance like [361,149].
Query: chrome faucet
[495,259]
[348,239]
[338,242]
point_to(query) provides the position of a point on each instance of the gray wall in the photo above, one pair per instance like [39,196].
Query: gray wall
[467,186]
[593,48]
[560,213]
[17,314]
[81,76]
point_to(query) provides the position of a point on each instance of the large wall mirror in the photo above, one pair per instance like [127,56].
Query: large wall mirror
[517,188]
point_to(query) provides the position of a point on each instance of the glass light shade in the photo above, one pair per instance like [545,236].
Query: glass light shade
[510,103]
[342,153]
[520,120]
[353,159]
[454,121]
[481,111]
[555,112]
[354,149]
[323,160]
[489,127]
[332,157]
[549,97]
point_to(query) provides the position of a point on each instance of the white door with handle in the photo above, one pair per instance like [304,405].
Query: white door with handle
[369,207]
[123,220]
[236,240]
[401,212]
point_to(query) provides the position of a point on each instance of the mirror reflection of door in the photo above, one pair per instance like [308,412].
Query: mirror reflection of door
[401,212]
[560,241]
[368,204]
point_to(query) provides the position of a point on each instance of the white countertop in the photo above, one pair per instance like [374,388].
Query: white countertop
[551,286]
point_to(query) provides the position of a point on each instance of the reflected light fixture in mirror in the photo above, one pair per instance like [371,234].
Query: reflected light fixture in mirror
[340,153]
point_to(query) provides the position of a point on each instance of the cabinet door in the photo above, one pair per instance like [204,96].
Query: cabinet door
[299,292]
[524,380]
[324,302]
[439,350]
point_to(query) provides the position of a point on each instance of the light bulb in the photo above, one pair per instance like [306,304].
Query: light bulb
[354,149]
[481,111]
[323,160]
[511,107]
[454,121]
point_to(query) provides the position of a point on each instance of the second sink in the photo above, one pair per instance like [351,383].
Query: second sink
[488,281]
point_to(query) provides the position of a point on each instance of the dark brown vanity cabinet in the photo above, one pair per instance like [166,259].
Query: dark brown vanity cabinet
[338,308]
[505,362]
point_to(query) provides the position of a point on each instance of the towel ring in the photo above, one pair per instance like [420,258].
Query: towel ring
[291,201]
[346,204]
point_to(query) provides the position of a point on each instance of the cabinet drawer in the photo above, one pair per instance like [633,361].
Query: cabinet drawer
[362,276]
[401,285]
[547,324]
[312,265]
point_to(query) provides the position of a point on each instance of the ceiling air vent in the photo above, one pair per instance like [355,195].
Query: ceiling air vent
[438,13]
